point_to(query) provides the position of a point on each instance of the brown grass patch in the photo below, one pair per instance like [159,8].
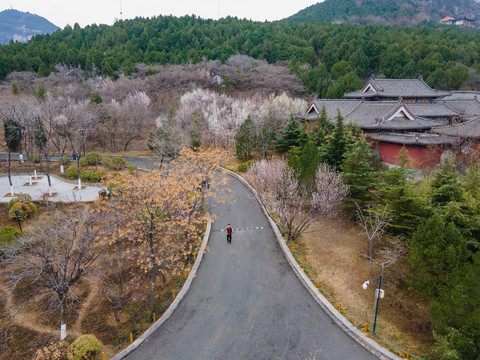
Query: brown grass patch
[335,252]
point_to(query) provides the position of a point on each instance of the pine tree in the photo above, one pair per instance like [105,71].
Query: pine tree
[305,161]
[334,151]
[246,139]
[406,205]
[445,185]
[96,99]
[322,129]
[289,135]
[437,251]
[456,314]
[358,173]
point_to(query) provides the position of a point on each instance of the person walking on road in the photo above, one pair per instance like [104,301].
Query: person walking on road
[229,231]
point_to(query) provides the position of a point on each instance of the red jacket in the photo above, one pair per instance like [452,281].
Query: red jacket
[229,230]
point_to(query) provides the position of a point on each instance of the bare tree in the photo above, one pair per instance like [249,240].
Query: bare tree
[374,224]
[118,279]
[81,125]
[57,112]
[136,117]
[166,142]
[54,256]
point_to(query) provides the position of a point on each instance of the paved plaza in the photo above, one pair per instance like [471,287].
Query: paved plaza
[63,189]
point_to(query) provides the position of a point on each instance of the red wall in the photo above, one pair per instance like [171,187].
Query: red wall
[422,156]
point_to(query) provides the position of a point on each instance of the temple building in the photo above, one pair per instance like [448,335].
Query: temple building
[407,113]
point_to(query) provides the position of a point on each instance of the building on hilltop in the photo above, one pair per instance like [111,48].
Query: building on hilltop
[407,113]
[462,21]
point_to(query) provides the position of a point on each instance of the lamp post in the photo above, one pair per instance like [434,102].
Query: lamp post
[379,293]
[18,216]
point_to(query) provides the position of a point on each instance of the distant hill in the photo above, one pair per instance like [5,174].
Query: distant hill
[20,26]
[387,12]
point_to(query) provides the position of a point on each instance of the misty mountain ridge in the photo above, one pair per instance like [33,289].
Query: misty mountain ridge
[387,12]
[21,26]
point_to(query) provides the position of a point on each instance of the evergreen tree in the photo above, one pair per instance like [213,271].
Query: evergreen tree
[43,70]
[265,137]
[334,151]
[305,161]
[40,136]
[358,173]
[437,251]
[246,139]
[41,94]
[196,131]
[456,314]
[445,185]
[13,134]
[406,203]
[289,135]
[14,88]
[96,99]
[322,129]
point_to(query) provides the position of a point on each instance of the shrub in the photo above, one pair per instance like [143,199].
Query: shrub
[96,176]
[242,167]
[150,72]
[9,234]
[64,160]
[107,162]
[53,351]
[72,172]
[132,168]
[25,209]
[249,163]
[118,163]
[35,158]
[19,198]
[85,347]
[86,175]
[83,162]
[93,158]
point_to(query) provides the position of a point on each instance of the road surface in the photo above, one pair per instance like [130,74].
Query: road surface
[246,302]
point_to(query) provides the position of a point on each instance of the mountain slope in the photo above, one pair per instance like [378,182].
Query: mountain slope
[20,26]
[387,12]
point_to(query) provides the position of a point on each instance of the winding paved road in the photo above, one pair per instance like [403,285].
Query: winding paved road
[246,302]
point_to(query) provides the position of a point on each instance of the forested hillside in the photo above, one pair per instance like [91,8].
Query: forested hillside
[387,12]
[20,26]
[330,59]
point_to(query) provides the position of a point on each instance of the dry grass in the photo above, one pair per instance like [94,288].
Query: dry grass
[335,254]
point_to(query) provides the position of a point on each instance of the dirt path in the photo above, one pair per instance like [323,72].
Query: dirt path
[94,284]
[25,318]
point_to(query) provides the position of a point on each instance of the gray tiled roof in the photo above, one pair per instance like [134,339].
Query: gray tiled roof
[374,115]
[413,138]
[466,107]
[469,129]
[432,110]
[397,88]
[332,106]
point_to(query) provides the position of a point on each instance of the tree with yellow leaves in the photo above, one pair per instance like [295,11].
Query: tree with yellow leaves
[157,213]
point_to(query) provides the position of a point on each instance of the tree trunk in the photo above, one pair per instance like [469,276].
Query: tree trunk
[78,169]
[117,314]
[10,173]
[151,302]
[63,325]
[48,177]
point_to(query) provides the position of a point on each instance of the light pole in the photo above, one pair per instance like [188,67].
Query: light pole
[379,293]
[18,216]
